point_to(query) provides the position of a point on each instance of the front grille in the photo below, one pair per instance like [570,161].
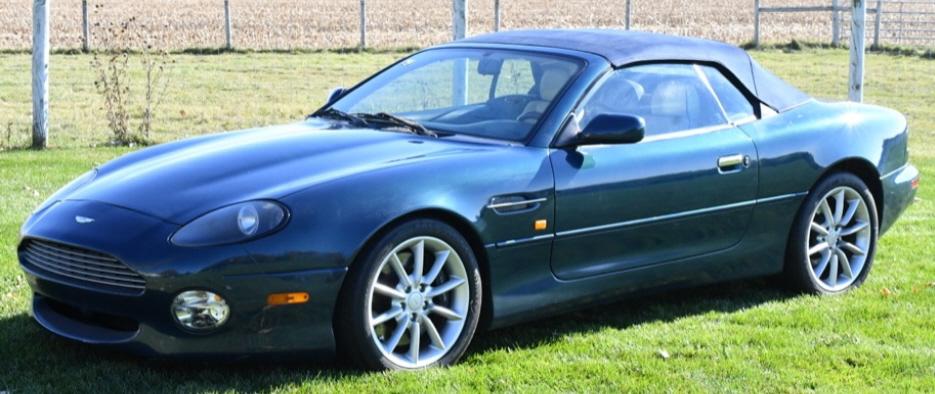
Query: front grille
[80,266]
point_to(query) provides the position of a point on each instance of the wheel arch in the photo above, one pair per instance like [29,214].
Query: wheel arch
[464,227]
[867,173]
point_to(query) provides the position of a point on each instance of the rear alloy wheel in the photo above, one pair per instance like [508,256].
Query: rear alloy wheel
[418,298]
[837,233]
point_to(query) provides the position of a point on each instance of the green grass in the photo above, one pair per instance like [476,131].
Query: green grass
[742,337]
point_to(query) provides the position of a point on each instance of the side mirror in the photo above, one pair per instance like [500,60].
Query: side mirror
[611,129]
[335,94]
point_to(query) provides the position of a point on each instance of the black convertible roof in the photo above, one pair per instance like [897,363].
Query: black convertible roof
[621,47]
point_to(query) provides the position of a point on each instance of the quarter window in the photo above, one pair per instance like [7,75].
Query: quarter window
[669,97]
[736,105]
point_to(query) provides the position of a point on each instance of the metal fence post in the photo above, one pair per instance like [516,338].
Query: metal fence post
[856,80]
[459,30]
[459,19]
[835,24]
[756,23]
[496,15]
[85,27]
[876,24]
[227,24]
[626,20]
[40,74]
[363,24]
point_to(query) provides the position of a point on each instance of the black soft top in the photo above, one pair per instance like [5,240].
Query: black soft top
[622,48]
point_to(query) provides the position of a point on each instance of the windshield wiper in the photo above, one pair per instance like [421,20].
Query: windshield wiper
[384,117]
[334,113]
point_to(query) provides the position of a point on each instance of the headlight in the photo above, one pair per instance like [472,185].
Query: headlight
[233,223]
[200,310]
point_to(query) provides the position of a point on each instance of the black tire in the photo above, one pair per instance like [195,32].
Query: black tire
[798,267]
[355,339]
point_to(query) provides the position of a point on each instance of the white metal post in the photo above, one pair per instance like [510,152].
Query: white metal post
[856,80]
[85,27]
[626,20]
[459,27]
[756,23]
[835,24]
[876,24]
[227,25]
[363,24]
[40,74]
[496,15]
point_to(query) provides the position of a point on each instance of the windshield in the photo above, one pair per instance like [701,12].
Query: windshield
[489,93]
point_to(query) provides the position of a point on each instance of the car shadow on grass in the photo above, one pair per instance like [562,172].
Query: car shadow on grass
[36,360]
[664,306]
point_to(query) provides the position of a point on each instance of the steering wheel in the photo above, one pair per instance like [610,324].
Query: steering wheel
[530,117]
[507,107]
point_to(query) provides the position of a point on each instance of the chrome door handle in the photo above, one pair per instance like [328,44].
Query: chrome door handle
[733,163]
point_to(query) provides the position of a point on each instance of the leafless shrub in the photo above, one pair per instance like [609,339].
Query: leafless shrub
[8,140]
[114,79]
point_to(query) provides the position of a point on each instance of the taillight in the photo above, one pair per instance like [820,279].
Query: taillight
[915,182]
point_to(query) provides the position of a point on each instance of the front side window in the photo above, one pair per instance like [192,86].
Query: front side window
[669,97]
[490,93]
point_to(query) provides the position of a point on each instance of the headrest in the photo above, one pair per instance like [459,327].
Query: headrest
[672,98]
[553,79]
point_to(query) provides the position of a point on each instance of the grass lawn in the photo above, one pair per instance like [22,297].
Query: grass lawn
[749,336]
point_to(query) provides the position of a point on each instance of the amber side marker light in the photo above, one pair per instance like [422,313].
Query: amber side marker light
[287,298]
[540,224]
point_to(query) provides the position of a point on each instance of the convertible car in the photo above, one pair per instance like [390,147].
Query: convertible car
[471,185]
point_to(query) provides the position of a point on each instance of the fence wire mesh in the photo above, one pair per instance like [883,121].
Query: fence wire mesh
[323,24]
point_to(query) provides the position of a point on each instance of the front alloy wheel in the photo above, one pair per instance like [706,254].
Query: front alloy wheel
[407,303]
[413,301]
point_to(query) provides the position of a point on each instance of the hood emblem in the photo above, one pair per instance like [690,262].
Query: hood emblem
[83,219]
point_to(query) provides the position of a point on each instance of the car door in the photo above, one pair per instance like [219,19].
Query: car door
[687,189]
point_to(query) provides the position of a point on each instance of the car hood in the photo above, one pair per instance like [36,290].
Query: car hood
[179,181]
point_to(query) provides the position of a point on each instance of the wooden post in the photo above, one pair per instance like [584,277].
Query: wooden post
[835,24]
[626,19]
[363,24]
[876,24]
[227,25]
[496,15]
[85,27]
[756,23]
[40,74]
[856,82]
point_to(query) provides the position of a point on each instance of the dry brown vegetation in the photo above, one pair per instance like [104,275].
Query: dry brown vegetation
[288,24]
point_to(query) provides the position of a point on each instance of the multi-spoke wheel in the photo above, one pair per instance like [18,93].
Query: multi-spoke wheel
[413,301]
[833,240]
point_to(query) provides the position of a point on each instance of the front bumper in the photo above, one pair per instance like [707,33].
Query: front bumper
[142,322]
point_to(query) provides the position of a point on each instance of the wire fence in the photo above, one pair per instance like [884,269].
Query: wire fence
[890,22]
[381,24]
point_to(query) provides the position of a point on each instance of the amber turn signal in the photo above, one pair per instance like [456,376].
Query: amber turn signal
[541,224]
[287,298]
